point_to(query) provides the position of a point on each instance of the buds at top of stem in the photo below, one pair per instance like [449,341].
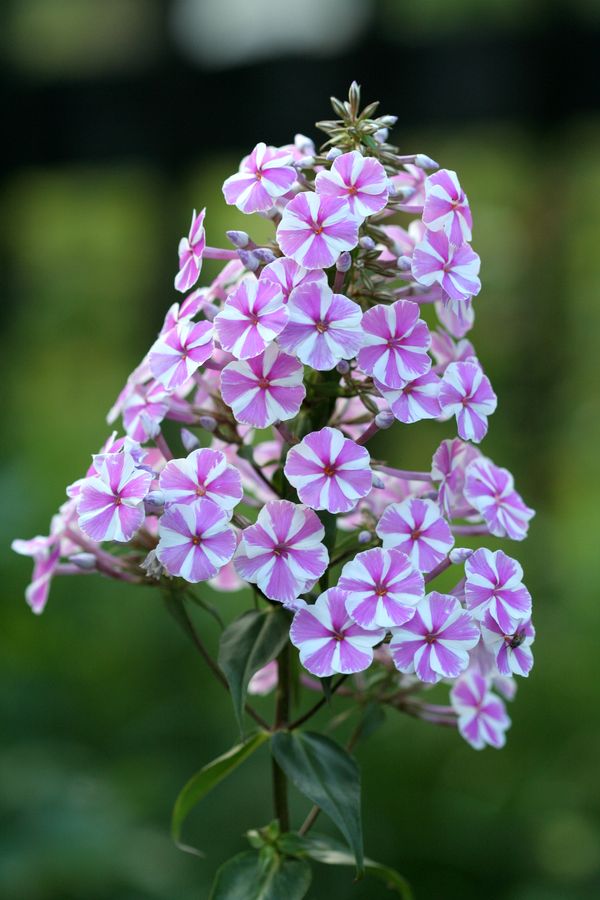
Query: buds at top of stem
[264,255]
[381,135]
[364,537]
[460,555]
[385,419]
[189,440]
[404,263]
[388,121]
[343,367]
[154,503]
[367,243]
[249,259]
[85,561]
[425,162]
[239,239]
[208,423]
[333,153]
[344,262]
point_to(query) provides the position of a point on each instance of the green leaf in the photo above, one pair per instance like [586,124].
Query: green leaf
[248,644]
[328,850]
[209,777]
[326,774]
[329,523]
[261,876]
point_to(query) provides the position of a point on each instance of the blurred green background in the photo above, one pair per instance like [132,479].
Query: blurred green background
[121,116]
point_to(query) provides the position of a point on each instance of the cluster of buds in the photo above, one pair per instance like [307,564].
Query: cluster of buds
[279,374]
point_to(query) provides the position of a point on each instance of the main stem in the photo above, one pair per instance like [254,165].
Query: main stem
[282,715]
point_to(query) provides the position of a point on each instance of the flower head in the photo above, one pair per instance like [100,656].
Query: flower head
[512,649]
[448,466]
[190,252]
[466,393]
[264,175]
[482,718]
[265,389]
[358,179]
[323,327]
[144,410]
[252,317]
[383,586]
[176,355]
[417,528]
[195,540]
[494,584]
[396,342]
[415,400]
[456,269]
[435,643]
[289,275]
[283,552]
[45,552]
[329,471]
[446,206]
[491,491]
[204,473]
[314,230]
[329,640]
[111,503]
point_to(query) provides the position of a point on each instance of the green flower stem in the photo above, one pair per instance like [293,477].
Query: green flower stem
[282,714]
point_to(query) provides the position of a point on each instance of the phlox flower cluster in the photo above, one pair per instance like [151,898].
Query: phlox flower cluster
[274,379]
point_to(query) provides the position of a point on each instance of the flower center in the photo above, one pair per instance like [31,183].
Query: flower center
[338,636]
[352,190]
[415,534]
[515,640]
[317,228]
[253,319]
[430,638]
[200,490]
[321,327]
[263,383]
[280,549]
[196,540]
[380,590]
[329,470]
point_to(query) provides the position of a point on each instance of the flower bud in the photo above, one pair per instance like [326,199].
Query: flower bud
[307,162]
[364,537]
[239,239]
[425,162]
[343,367]
[264,255]
[304,144]
[153,567]
[189,440]
[367,243]
[249,259]
[460,555]
[208,423]
[333,153]
[404,263]
[377,482]
[388,121]
[344,262]
[381,135]
[401,192]
[84,561]
[154,503]
[384,419]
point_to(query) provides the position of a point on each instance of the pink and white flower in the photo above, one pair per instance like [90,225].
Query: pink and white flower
[466,393]
[111,503]
[252,317]
[384,588]
[358,179]
[396,342]
[204,473]
[512,650]
[265,680]
[45,552]
[491,491]
[412,180]
[482,717]
[264,175]
[457,316]
[195,540]
[456,269]
[416,400]
[187,309]
[314,230]
[323,327]
[265,389]
[329,471]
[176,355]
[435,643]
[417,528]
[448,466]
[283,552]
[190,252]
[446,206]
[445,350]
[289,275]
[494,584]
[144,411]
[329,640]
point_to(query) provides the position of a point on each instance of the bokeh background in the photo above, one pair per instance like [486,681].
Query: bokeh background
[120,116]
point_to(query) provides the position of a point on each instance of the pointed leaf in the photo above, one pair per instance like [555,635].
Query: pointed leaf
[326,774]
[248,644]
[209,776]
[254,876]
[328,850]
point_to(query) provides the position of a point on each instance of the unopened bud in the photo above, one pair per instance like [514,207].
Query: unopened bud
[364,537]
[239,239]
[84,561]
[333,153]
[153,567]
[460,555]
[381,135]
[250,261]
[189,440]
[367,243]
[154,503]
[344,262]
[404,263]
[401,192]
[208,423]
[388,121]
[343,367]
[425,162]
[304,144]
[384,419]
[307,162]
[264,255]
[377,482]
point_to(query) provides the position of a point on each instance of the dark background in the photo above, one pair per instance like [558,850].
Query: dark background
[119,117]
